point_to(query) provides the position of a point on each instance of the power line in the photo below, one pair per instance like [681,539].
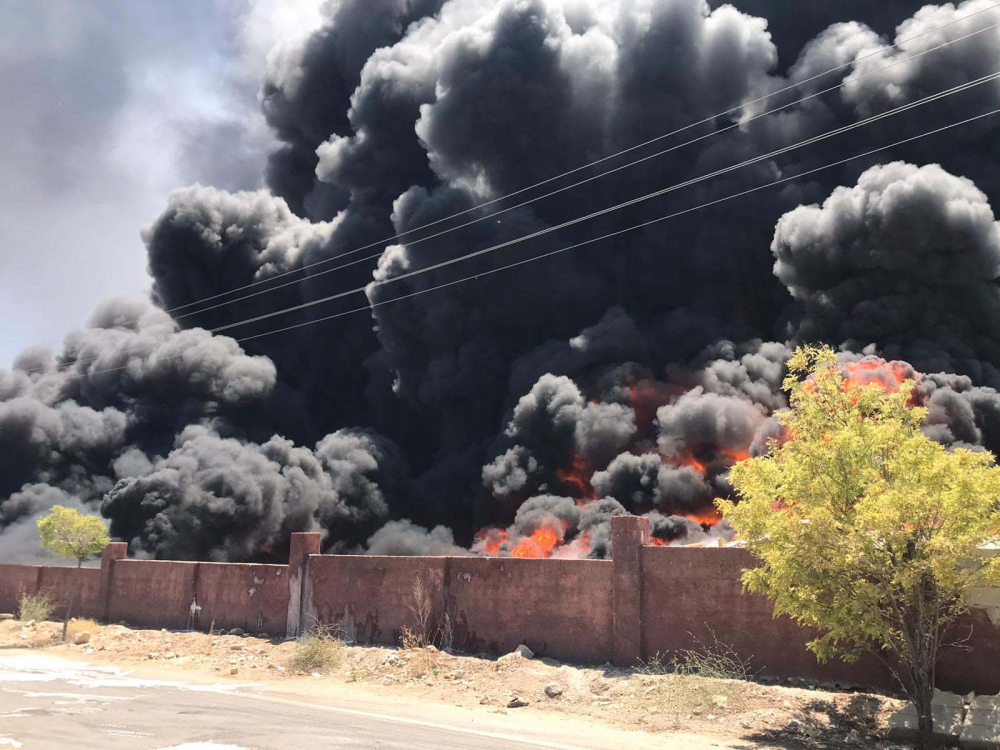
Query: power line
[577,169]
[549,194]
[809,141]
[730,111]
[534,258]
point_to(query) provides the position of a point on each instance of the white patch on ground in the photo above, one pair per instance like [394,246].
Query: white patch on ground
[35,668]
[8,742]
[19,713]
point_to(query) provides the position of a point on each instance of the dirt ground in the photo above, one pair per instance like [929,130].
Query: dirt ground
[779,715]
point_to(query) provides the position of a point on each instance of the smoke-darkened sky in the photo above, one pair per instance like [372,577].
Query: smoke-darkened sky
[107,107]
[517,412]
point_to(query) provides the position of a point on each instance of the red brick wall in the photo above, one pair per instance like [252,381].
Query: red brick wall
[558,608]
[58,583]
[974,666]
[690,593]
[160,594]
[367,596]
[15,579]
[152,593]
[251,597]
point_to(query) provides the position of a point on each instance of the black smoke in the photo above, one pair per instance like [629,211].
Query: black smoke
[536,403]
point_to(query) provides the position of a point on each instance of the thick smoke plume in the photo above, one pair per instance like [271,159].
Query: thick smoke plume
[517,413]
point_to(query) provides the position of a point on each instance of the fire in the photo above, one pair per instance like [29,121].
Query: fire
[704,517]
[730,455]
[539,544]
[576,478]
[489,540]
[647,396]
[889,375]
[577,549]
[693,463]
[573,479]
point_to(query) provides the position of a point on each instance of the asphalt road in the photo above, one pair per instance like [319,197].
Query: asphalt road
[53,704]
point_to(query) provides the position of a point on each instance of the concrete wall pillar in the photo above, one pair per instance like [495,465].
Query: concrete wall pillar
[628,534]
[114,551]
[303,544]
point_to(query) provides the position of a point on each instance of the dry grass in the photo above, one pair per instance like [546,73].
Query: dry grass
[319,650]
[422,610]
[421,657]
[682,697]
[37,607]
[410,640]
[81,624]
[715,660]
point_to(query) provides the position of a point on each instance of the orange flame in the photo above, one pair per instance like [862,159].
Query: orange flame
[576,477]
[708,517]
[693,463]
[735,456]
[894,373]
[489,540]
[539,544]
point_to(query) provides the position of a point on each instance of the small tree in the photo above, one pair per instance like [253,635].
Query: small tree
[67,533]
[867,530]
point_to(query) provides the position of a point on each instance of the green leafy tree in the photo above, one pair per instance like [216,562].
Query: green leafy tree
[865,529]
[67,533]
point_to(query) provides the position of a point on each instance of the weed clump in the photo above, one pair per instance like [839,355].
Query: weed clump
[716,661]
[319,650]
[37,607]
[80,625]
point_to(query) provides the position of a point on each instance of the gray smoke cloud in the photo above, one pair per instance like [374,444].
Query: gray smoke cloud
[909,257]
[405,538]
[226,499]
[644,482]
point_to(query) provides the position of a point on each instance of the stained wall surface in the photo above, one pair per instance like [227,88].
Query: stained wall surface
[57,582]
[558,608]
[693,597]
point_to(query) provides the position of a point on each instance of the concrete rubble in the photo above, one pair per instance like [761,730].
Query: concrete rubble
[973,721]
[982,723]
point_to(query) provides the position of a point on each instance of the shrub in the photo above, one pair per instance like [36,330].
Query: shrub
[81,624]
[715,660]
[718,663]
[37,607]
[319,650]
[411,640]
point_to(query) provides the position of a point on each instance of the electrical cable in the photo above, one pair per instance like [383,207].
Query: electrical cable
[548,230]
[535,258]
[730,111]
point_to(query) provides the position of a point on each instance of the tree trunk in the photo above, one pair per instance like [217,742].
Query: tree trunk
[72,599]
[922,701]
